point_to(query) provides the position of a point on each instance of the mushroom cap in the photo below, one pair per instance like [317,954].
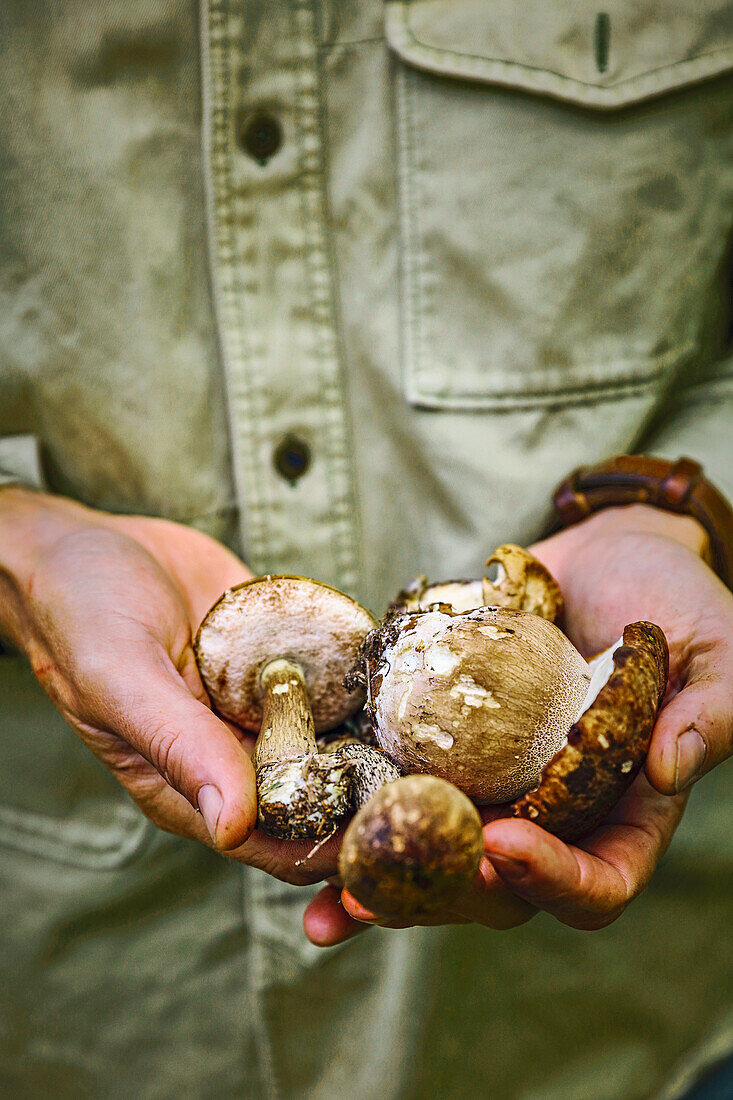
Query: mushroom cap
[413,848]
[522,583]
[259,621]
[459,595]
[483,699]
[607,745]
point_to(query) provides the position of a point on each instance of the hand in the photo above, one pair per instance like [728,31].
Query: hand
[619,566]
[104,607]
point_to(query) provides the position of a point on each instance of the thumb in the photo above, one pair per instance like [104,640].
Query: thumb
[186,743]
[693,733]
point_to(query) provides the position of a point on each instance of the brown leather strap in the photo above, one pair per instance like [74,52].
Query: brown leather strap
[673,486]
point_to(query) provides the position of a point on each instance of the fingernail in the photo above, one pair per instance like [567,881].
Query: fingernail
[210,803]
[691,751]
[512,868]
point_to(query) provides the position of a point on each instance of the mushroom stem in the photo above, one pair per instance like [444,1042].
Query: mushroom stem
[287,730]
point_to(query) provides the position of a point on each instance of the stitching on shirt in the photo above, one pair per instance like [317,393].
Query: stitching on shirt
[311,252]
[354,559]
[655,368]
[251,376]
[253,898]
[413,262]
[240,376]
[319,280]
[543,399]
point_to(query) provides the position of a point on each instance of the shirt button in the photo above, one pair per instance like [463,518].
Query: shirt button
[291,458]
[260,135]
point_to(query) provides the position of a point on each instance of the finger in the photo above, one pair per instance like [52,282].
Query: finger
[426,920]
[292,861]
[326,922]
[586,887]
[143,699]
[160,803]
[693,733]
[301,862]
[490,903]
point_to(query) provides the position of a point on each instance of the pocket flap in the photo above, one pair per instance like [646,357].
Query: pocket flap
[570,50]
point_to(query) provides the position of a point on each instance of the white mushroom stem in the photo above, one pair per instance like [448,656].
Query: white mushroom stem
[287,731]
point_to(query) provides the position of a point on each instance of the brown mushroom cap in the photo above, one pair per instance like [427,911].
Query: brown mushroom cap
[523,583]
[607,745]
[413,848]
[267,618]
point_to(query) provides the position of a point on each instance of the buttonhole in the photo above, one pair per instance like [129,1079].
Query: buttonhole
[602,39]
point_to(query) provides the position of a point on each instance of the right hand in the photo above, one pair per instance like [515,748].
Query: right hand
[105,607]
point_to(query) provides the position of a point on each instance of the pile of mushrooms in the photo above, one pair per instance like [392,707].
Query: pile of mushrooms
[473,682]
[471,689]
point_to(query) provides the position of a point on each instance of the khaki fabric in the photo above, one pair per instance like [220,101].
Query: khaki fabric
[492,245]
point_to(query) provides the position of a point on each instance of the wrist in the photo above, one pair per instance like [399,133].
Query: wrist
[30,522]
[678,487]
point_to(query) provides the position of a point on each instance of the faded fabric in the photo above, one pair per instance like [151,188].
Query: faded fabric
[493,244]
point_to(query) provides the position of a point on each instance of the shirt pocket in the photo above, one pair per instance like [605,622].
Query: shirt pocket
[565,181]
[57,801]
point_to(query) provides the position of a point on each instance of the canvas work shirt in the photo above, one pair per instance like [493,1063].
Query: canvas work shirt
[349,285]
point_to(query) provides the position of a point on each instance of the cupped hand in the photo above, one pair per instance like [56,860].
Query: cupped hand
[618,567]
[105,608]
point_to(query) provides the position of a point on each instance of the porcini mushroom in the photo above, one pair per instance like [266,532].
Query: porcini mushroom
[481,698]
[273,653]
[413,848]
[519,582]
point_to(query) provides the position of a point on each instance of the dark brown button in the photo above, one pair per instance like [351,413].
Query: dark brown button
[292,458]
[260,135]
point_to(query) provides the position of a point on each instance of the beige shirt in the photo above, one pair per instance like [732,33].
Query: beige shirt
[350,286]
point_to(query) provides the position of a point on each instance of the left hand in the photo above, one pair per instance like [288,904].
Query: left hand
[619,566]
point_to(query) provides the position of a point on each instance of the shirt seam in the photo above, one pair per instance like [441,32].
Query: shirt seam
[413,261]
[337,471]
[352,526]
[256,973]
[228,306]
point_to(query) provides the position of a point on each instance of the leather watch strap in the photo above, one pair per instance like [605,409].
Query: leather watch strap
[637,479]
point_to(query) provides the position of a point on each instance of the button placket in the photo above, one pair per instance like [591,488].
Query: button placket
[275,296]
